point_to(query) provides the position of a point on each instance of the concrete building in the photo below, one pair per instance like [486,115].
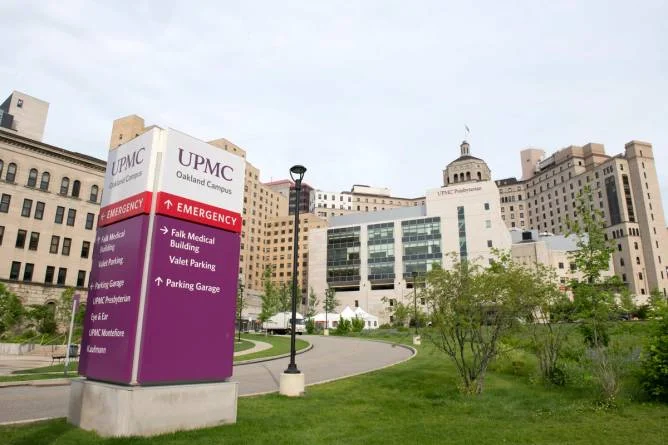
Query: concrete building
[49,202]
[369,258]
[360,198]
[286,187]
[555,251]
[278,248]
[24,115]
[625,188]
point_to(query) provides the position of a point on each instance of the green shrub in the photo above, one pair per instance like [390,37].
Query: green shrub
[654,373]
[343,328]
[357,324]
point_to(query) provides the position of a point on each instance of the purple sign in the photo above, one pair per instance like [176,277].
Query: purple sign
[189,314]
[113,301]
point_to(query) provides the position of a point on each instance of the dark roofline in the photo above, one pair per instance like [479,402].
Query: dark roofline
[52,150]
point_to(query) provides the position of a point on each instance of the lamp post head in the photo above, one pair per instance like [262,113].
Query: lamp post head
[297,173]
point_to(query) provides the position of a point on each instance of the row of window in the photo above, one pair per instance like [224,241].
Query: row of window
[49,275]
[27,212]
[45,179]
[55,246]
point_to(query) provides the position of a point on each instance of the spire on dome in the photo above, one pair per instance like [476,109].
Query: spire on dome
[465,148]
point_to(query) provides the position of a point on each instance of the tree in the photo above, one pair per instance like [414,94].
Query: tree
[44,318]
[12,312]
[654,369]
[241,305]
[472,309]
[312,304]
[270,298]
[596,298]
[547,328]
[284,298]
[331,303]
[400,312]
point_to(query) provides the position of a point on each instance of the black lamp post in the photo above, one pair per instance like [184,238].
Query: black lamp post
[297,174]
[240,303]
[415,274]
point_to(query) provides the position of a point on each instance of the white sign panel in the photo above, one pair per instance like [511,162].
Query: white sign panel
[129,169]
[201,172]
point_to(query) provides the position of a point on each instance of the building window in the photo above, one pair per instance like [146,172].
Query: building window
[11,173]
[15,270]
[21,238]
[39,210]
[81,278]
[463,252]
[60,212]
[67,244]
[486,206]
[55,244]
[64,186]
[357,303]
[93,193]
[27,272]
[71,217]
[76,188]
[489,243]
[488,224]
[4,203]
[27,208]
[44,183]
[32,178]
[90,217]
[48,276]
[19,103]
[62,275]
[561,265]
[85,249]
[2,234]
[34,241]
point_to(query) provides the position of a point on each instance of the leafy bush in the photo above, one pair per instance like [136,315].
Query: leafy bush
[343,328]
[654,374]
[310,326]
[357,324]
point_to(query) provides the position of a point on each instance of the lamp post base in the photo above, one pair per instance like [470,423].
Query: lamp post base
[325,332]
[292,385]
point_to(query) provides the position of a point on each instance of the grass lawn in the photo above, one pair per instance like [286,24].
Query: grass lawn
[242,345]
[280,345]
[412,403]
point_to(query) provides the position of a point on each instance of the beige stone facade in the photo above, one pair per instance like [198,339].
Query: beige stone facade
[278,245]
[624,188]
[24,115]
[50,199]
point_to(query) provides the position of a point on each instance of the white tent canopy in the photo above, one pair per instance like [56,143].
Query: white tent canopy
[370,321]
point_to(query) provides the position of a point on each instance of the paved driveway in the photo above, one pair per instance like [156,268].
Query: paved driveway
[330,358]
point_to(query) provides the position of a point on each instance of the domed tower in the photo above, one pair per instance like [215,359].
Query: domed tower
[466,168]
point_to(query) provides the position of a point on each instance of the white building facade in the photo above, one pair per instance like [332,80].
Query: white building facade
[369,258]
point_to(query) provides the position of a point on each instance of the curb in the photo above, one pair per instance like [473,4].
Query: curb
[273,357]
[401,345]
[39,383]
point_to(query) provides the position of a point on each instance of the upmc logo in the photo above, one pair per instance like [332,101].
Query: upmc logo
[130,160]
[204,164]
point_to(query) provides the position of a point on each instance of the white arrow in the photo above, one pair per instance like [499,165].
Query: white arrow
[164,230]
[90,287]
[158,281]
[169,204]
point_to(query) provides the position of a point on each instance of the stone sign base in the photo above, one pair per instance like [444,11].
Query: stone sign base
[114,410]
[292,385]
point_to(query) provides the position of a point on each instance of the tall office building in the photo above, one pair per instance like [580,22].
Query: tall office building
[625,188]
[49,202]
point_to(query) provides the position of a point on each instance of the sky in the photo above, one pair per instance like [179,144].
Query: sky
[360,92]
